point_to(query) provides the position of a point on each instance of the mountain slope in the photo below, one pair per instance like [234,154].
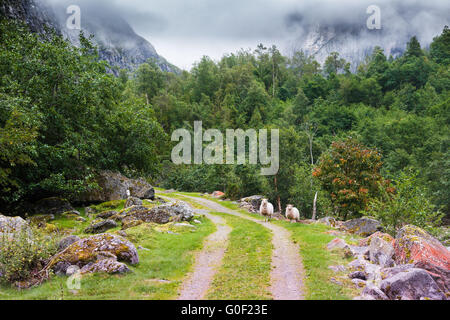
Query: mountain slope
[118,44]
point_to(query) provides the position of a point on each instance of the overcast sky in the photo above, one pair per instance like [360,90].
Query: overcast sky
[183,31]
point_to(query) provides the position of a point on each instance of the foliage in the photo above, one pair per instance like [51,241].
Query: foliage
[24,254]
[350,173]
[409,204]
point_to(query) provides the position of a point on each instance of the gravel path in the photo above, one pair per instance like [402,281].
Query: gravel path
[207,261]
[287,268]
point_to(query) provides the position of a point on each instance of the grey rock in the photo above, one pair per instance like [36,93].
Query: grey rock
[133,201]
[390,272]
[358,275]
[12,225]
[337,243]
[413,284]
[359,283]
[381,252]
[66,242]
[106,214]
[362,226]
[101,227]
[110,266]
[251,203]
[114,186]
[329,221]
[375,292]
[53,206]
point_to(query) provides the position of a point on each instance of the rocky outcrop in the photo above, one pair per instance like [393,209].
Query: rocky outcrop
[251,204]
[114,186]
[93,249]
[362,226]
[392,273]
[414,245]
[413,284]
[178,211]
[53,205]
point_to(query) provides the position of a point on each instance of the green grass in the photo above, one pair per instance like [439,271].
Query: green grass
[170,258]
[245,273]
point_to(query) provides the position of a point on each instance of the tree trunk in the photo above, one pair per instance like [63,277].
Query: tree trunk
[314,207]
[278,195]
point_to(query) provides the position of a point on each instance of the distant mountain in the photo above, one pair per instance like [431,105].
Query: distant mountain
[118,44]
[353,43]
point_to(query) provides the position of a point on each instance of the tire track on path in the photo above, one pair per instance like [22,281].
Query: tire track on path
[287,269]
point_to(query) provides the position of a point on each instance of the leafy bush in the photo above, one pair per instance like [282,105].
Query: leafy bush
[350,173]
[24,254]
[409,204]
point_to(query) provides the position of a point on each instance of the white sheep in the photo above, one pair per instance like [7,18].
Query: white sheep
[266,209]
[292,213]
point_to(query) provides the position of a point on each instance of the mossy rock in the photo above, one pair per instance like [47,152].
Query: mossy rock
[85,251]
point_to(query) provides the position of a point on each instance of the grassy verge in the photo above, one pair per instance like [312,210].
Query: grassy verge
[245,273]
[312,240]
[164,262]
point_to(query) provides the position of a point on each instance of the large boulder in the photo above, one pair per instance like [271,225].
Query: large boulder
[93,249]
[413,245]
[413,284]
[362,226]
[54,206]
[12,225]
[440,275]
[252,203]
[381,252]
[101,226]
[114,186]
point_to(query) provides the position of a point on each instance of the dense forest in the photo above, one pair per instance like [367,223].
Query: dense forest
[375,141]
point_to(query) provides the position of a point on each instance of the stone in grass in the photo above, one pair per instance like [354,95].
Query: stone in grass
[337,243]
[110,266]
[101,227]
[92,249]
[106,214]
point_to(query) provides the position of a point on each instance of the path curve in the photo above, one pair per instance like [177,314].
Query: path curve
[207,261]
[287,268]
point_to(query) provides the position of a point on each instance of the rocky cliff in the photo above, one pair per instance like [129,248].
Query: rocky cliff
[117,42]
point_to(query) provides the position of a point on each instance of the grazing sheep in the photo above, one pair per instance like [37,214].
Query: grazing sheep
[266,209]
[292,213]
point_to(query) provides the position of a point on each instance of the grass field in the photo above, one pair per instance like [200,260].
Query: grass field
[166,260]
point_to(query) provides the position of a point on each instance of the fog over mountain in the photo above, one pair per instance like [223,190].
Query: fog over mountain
[185,30]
